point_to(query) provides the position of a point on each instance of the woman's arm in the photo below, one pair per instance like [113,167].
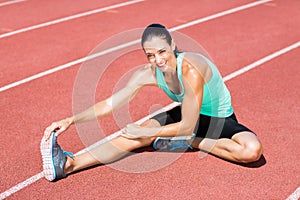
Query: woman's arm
[193,82]
[140,78]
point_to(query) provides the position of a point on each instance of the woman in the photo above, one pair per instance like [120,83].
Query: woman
[205,114]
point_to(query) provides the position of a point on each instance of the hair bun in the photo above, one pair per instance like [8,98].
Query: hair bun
[156,26]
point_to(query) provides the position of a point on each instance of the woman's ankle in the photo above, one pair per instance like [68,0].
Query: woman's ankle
[69,165]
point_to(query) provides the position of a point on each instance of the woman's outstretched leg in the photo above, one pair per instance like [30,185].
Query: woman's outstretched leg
[109,151]
[105,153]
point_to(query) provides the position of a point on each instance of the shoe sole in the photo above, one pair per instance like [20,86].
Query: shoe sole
[159,139]
[156,142]
[48,164]
[170,139]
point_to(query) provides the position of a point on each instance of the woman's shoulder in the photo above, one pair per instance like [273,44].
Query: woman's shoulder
[195,59]
[142,70]
[146,70]
[143,75]
[195,63]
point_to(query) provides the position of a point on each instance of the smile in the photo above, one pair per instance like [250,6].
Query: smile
[161,65]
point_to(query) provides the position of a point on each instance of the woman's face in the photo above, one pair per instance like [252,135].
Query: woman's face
[160,53]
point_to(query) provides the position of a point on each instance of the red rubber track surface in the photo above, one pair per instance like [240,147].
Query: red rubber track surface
[34,11]
[265,98]
[67,38]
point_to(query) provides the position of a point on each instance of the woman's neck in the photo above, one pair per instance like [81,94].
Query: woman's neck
[172,68]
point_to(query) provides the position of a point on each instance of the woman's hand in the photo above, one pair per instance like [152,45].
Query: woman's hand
[133,131]
[57,127]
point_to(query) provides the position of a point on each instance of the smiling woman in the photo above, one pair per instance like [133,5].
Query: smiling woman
[156,37]
[158,53]
[205,117]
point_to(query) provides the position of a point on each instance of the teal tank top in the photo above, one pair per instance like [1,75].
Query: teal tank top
[216,101]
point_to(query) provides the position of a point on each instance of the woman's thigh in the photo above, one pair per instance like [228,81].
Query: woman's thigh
[215,128]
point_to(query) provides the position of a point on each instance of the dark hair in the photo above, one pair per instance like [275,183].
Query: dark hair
[158,30]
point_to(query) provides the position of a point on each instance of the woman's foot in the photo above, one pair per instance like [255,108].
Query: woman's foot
[173,143]
[54,159]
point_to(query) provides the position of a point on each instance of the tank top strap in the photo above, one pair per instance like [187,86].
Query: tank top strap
[180,57]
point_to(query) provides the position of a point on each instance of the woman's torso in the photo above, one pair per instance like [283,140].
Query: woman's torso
[216,99]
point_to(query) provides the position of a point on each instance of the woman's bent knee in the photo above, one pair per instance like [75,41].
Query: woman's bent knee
[250,147]
[251,152]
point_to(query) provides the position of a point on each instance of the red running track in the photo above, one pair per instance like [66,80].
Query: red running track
[35,54]
[233,41]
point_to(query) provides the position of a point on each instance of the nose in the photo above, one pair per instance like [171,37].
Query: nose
[158,59]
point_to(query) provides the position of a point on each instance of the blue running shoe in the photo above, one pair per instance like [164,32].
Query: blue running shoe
[54,159]
[173,143]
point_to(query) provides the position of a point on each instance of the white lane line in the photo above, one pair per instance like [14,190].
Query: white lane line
[226,12]
[67,65]
[36,177]
[21,185]
[263,60]
[10,2]
[69,18]
[295,195]
[80,60]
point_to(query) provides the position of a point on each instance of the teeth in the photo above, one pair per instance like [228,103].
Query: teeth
[161,65]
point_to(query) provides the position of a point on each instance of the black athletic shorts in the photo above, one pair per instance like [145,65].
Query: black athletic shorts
[207,126]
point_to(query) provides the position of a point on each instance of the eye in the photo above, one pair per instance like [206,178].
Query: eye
[150,56]
[161,51]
